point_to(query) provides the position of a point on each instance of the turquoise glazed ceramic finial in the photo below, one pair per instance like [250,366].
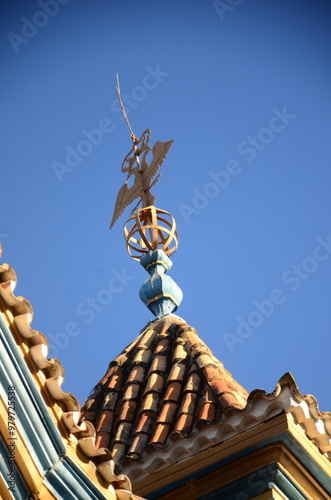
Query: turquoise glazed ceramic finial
[159,292]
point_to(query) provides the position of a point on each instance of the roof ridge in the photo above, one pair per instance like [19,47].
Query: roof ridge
[287,380]
[213,369]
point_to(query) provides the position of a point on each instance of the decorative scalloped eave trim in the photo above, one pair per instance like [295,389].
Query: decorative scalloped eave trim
[37,344]
[260,407]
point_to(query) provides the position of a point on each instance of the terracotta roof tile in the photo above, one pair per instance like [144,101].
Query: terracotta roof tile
[177,371]
[154,383]
[184,424]
[168,412]
[160,435]
[105,421]
[110,400]
[137,374]
[145,423]
[193,380]
[132,391]
[137,446]
[162,346]
[163,384]
[159,364]
[143,355]
[180,352]
[150,402]
[122,437]
[173,391]
[228,399]
[116,380]
[189,403]
[207,412]
[102,440]
[128,410]
[118,451]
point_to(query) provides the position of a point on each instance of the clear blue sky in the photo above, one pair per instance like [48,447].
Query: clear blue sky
[244,90]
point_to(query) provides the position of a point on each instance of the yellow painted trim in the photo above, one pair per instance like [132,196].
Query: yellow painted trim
[46,494]
[301,477]
[229,473]
[169,295]
[6,495]
[23,460]
[270,495]
[90,470]
[54,409]
[154,263]
[311,448]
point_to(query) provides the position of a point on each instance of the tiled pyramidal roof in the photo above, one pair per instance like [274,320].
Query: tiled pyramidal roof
[162,386]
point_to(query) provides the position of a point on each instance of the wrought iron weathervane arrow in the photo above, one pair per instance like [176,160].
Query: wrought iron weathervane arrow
[136,164]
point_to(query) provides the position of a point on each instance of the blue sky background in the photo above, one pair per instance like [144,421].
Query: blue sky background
[222,76]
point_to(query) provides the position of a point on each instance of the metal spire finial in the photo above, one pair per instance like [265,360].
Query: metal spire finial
[150,232]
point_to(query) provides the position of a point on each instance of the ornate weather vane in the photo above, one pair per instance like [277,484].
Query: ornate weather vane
[150,232]
[136,164]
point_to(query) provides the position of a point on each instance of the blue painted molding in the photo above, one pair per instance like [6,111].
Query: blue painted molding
[255,484]
[251,485]
[20,489]
[39,432]
[159,293]
[68,481]
[32,416]
[285,485]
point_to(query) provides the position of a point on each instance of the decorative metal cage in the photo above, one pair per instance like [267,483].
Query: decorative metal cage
[150,228]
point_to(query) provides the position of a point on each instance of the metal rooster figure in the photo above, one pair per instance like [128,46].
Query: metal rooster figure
[139,169]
